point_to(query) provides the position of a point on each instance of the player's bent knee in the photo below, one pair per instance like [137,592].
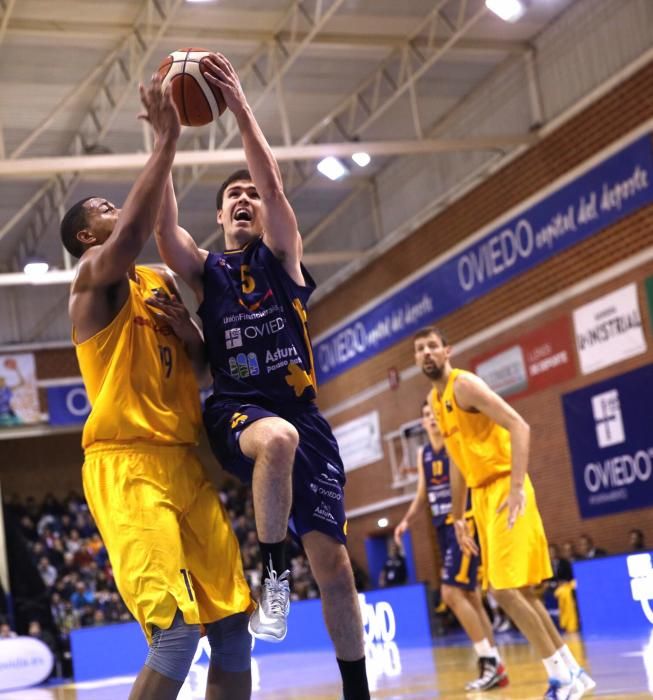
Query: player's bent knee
[231,643]
[450,595]
[282,443]
[172,650]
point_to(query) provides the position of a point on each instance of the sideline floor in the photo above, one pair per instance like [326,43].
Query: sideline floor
[622,668]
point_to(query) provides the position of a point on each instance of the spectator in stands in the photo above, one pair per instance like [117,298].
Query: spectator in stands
[47,571]
[637,543]
[562,570]
[587,550]
[82,591]
[5,631]
[394,572]
[35,630]
[569,551]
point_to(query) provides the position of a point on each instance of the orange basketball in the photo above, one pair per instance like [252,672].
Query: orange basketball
[10,363]
[198,101]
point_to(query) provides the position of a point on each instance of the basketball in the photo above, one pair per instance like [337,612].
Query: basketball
[198,101]
[10,363]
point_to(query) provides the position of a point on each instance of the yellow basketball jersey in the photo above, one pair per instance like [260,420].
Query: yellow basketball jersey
[138,377]
[479,446]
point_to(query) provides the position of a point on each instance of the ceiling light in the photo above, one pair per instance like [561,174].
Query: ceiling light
[361,158]
[35,268]
[508,10]
[199,0]
[332,168]
[382,522]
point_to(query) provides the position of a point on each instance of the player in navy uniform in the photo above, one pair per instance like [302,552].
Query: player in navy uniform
[459,576]
[262,420]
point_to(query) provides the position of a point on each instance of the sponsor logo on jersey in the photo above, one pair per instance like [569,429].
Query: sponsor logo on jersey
[233,338]
[244,365]
[280,358]
[327,480]
[332,492]
[162,329]
[323,512]
[267,328]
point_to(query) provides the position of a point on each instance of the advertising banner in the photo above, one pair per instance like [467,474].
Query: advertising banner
[359,441]
[394,620]
[609,330]
[615,595]
[19,396]
[616,187]
[648,284]
[532,362]
[611,443]
[68,405]
[24,662]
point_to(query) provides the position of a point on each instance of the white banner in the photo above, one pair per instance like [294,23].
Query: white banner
[19,397]
[505,372]
[359,441]
[24,662]
[609,330]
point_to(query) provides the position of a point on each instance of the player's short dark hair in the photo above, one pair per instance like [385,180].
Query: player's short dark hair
[242,174]
[430,330]
[74,220]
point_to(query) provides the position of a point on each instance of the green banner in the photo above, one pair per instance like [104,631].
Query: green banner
[649,293]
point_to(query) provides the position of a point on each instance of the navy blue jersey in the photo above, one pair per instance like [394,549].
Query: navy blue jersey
[438,483]
[254,320]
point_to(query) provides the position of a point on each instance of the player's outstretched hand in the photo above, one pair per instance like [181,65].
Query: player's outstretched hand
[173,312]
[515,504]
[399,531]
[221,73]
[465,540]
[159,110]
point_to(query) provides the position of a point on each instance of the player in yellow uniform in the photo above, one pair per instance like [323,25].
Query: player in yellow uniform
[174,555]
[489,442]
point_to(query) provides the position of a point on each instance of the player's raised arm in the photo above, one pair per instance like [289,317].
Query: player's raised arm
[471,392]
[104,265]
[279,221]
[176,246]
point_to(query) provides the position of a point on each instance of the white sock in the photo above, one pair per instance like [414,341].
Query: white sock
[569,659]
[557,668]
[495,653]
[483,648]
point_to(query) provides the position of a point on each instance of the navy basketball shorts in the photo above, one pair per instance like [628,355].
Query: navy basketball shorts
[318,473]
[458,569]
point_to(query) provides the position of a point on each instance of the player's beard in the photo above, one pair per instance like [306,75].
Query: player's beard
[434,373]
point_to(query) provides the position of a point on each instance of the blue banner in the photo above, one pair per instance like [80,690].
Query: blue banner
[615,595]
[613,189]
[68,405]
[394,620]
[611,443]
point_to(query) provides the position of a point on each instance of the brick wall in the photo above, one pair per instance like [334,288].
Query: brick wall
[623,109]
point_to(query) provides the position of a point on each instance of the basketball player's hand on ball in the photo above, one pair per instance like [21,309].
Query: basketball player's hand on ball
[218,71]
[465,539]
[160,111]
[515,504]
[172,311]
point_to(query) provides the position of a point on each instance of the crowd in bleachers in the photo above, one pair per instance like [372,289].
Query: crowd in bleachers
[80,591]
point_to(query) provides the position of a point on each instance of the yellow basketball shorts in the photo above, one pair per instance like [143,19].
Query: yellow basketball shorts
[511,558]
[169,540]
